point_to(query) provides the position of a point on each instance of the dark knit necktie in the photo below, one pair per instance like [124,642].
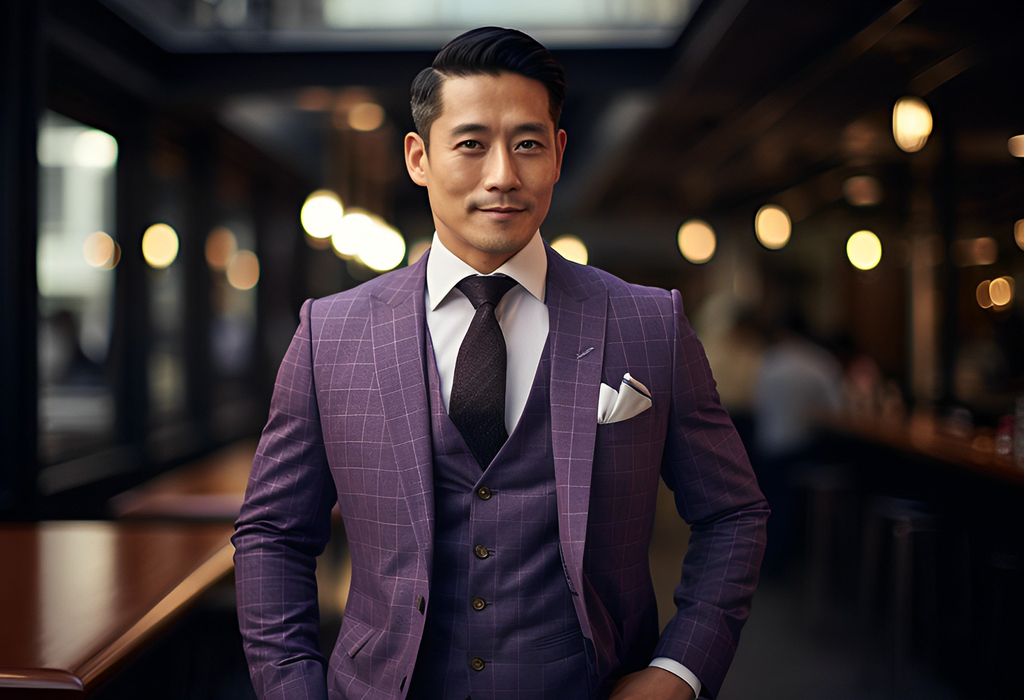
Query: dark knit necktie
[477,403]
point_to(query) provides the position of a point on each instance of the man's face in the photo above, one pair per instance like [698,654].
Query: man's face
[494,158]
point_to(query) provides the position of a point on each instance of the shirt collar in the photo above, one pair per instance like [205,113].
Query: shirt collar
[528,267]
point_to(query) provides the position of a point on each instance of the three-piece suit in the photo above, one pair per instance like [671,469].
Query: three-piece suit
[356,420]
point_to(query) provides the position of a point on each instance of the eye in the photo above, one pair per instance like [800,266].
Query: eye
[528,145]
[470,144]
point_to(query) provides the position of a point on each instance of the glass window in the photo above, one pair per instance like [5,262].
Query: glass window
[76,256]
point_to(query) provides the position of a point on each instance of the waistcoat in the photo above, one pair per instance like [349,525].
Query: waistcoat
[501,622]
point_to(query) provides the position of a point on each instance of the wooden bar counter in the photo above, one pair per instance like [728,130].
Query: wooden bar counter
[78,599]
[923,436]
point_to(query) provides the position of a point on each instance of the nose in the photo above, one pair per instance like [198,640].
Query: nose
[501,173]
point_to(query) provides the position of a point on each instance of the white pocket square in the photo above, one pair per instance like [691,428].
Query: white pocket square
[631,399]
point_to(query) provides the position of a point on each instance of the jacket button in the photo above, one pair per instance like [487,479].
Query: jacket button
[481,551]
[479,603]
[477,664]
[421,603]
[483,493]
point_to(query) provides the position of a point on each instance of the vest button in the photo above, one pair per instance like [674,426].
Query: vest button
[420,603]
[481,552]
[479,603]
[477,664]
[483,493]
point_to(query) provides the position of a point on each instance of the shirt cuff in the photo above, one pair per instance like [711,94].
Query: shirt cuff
[678,669]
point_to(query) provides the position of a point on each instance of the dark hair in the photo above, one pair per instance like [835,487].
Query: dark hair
[487,50]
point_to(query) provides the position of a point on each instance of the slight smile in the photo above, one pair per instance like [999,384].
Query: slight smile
[501,212]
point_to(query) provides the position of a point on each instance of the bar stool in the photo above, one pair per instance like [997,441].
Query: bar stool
[831,519]
[905,530]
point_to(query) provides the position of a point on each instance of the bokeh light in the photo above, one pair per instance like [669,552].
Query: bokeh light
[1016,146]
[773,226]
[1001,291]
[982,294]
[862,190]
[697,241]
[101,251]
[911,123]
[384,249]
[160,245]
[94,149]
[355,227]
[221,246]
[571,248]
[975,251]
[864,250]
[366,116]
[243,272]
[321,214]
[1018,233]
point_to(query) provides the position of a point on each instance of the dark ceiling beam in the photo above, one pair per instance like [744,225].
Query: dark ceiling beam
[736,134]
[710,25]
[742,125]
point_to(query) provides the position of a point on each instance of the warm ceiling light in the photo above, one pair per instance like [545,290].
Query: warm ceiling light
[221,245]
[160,245]
[1001,291]
[1016,146]
[862,191]
[864,250]
[321,214]
[571,248]
[975,251]
[383,249]
[773,226]
[696,241]
[366,116]
[911,123]
[243,272]
[94,149]
[354,228]
[100,250]
[982,294]
[315,99]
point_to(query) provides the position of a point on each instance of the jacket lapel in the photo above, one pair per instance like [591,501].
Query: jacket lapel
[398,331]
[577,308]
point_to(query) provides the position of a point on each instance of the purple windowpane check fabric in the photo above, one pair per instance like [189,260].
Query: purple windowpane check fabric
[350,422]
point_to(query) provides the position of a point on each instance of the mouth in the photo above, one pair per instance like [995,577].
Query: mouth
[503,214]
[501,210]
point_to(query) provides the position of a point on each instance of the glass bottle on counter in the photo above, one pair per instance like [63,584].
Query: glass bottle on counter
[1018,434]
[1004,436]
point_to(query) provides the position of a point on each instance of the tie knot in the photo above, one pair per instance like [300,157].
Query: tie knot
[485,290]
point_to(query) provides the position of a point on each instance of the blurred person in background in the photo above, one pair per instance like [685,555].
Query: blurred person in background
[798,382]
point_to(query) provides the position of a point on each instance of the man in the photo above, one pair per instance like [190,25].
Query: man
[498,533]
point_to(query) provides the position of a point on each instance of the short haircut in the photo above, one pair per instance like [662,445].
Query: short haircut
[490,51]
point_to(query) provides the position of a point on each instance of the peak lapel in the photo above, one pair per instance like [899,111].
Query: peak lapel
[398,331]
[577,308]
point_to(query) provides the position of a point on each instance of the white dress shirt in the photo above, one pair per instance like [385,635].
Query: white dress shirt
[521,313]
[523,317]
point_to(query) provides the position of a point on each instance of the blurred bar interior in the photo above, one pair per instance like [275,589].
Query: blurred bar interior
[837,189]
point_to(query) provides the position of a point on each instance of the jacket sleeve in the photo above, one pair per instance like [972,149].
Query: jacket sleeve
[706,467]
[283,526]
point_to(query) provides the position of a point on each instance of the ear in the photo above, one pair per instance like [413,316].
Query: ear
[416,158]
[560,139]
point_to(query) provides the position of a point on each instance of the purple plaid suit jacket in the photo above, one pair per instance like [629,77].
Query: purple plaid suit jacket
[349,422]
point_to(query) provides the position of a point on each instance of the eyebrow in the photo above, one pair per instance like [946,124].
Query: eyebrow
[524,128]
